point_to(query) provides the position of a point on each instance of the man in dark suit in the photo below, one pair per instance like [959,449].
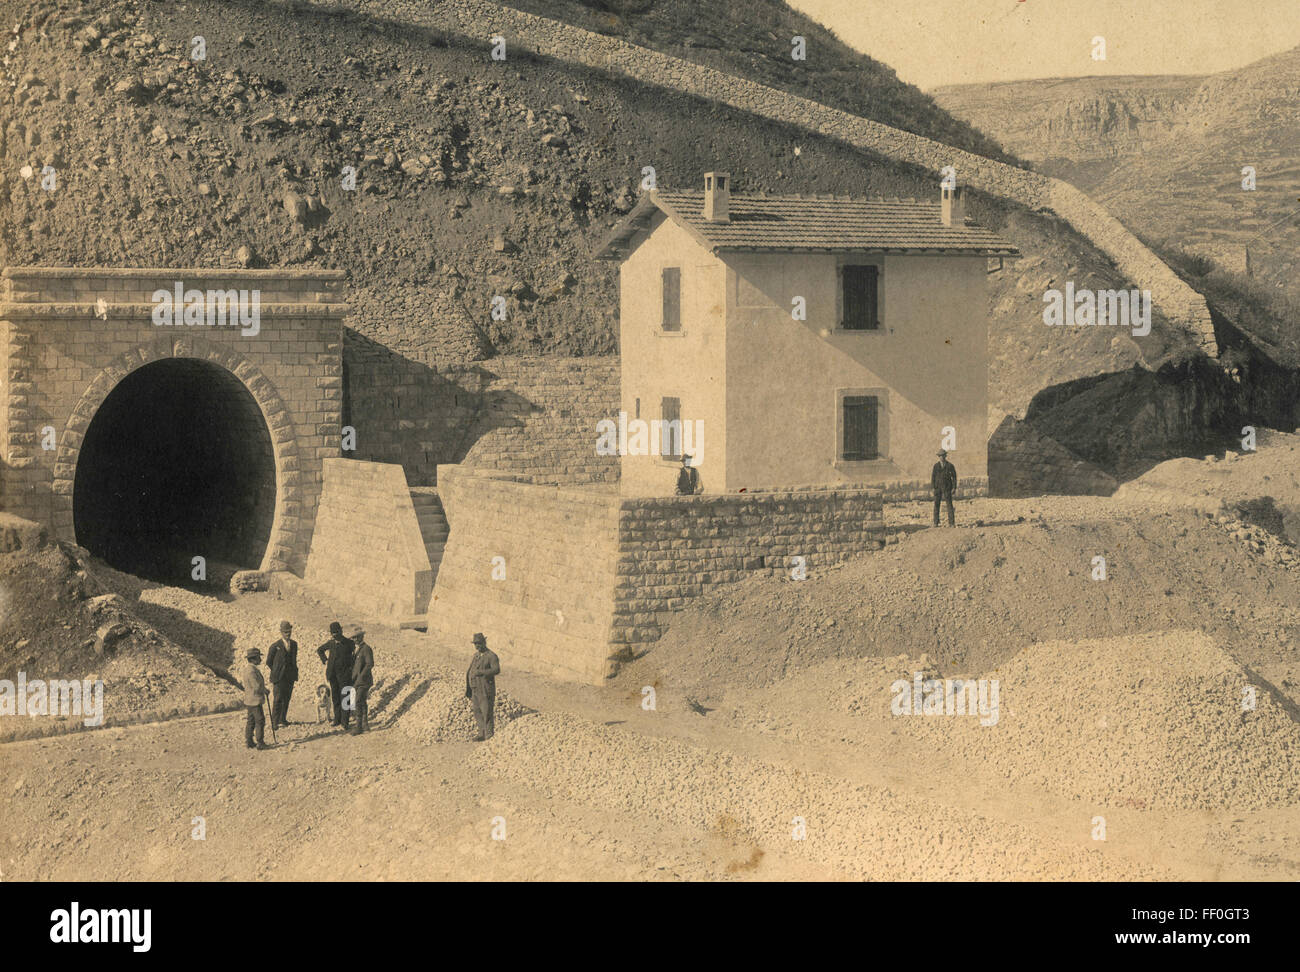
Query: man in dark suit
[282,661]
[688,479]
[943,480]
[481,687]
[336,656]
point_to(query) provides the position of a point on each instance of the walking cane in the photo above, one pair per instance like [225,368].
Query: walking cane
[267,704]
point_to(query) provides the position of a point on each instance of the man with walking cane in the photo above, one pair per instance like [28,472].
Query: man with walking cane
[254,698]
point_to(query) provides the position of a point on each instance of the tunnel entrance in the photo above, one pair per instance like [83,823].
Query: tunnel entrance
[177,463]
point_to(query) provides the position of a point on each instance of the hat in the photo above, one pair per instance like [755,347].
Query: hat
[478,639]
[254,654]
[356,631]
[285,626]
[336,628]
[942,453]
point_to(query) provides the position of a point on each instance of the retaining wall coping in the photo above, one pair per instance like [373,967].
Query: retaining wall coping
[47,273]
[36,310]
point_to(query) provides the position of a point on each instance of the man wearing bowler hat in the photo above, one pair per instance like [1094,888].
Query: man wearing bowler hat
[336,656]
[481,686]
[943,480]
[282,662]
[254,695]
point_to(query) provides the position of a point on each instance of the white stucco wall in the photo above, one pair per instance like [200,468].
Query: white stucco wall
[688,365]
[768,388]
[928,363]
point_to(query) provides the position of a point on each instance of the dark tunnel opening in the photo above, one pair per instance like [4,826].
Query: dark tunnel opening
[177,463]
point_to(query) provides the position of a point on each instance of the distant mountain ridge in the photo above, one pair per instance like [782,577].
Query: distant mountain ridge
[1166,154]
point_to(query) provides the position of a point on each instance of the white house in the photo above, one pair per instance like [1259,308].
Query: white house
[802,339]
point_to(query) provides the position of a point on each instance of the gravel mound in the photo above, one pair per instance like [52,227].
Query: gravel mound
[1144,721]
[861,831]
[972,598]
[432,708]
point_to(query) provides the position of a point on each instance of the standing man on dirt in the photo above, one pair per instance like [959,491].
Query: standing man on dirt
[481,686]
[282,662]
[254,696]
[943,480]
[336,656]
[363,666]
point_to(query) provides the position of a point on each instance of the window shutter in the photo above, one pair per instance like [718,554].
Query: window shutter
[860,289]
[670,438]
[672,284]
[861,427]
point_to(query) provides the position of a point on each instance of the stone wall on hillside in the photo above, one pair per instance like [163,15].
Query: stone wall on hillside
[480,20]
[673,549]
[968,487]
[1025,462]
[547,604]
[405,409]
[537,418]
[586,576]
[533,416]
[367,550]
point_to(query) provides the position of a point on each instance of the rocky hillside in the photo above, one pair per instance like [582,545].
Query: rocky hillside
[474,178]
[753,39]
[1165,154]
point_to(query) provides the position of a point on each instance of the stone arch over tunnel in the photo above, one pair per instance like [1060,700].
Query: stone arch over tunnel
[177,462]
[205,439]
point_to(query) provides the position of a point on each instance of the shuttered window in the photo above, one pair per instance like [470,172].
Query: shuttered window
[861,427]
[861,292]
[672,299]
[670,432]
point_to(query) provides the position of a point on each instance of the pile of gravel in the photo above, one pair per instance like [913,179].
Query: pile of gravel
[432,708]
[1144,721]
[861,831]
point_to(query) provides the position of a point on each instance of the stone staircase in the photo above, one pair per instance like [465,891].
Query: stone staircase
[433,524]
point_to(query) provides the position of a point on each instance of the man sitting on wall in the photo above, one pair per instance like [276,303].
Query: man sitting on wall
[688,480]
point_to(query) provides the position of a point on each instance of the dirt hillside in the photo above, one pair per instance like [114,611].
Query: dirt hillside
[58,621]
[970,599]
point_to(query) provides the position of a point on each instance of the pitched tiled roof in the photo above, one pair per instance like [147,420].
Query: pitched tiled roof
[793,223]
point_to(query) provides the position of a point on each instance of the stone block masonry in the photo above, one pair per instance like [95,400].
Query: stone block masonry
[918,491]
[673,549]
[585,576]
[531,416]
[71,335]
[532,567]
[479,20]
[367,550]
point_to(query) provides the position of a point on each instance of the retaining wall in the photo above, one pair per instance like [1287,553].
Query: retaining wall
[367,550]
[549,606]
[586,576]
[968,487]
[532,416]
[1025,462]
[673,549]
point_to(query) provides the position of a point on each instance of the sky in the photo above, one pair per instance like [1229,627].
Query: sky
[937,42]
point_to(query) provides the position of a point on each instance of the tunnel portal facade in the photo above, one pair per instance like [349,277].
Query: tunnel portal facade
[152,429]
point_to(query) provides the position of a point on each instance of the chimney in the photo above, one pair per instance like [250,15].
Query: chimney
[954,206]
[717,197]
